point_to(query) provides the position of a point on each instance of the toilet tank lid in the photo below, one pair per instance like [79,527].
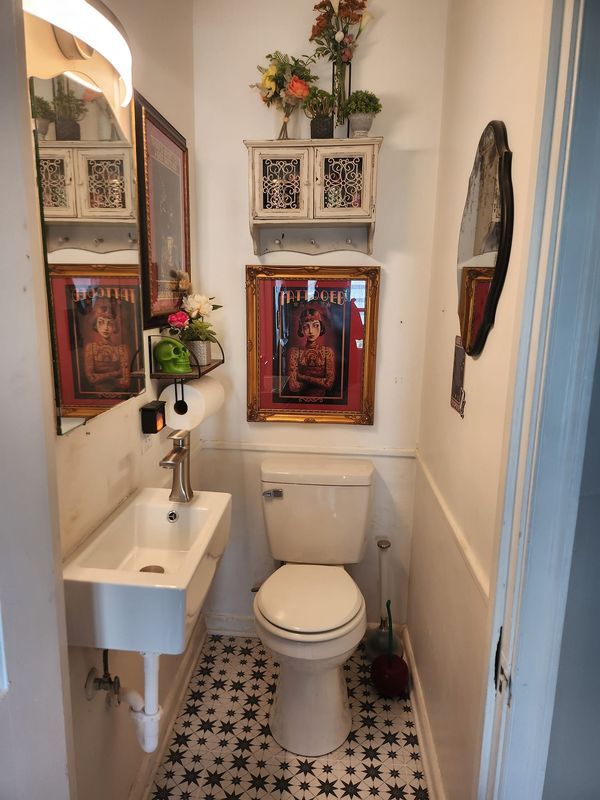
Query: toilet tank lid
[317,471]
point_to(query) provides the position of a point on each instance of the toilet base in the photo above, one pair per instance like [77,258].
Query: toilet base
[311,714]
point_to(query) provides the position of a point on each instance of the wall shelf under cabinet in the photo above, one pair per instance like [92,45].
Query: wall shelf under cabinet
[313,196]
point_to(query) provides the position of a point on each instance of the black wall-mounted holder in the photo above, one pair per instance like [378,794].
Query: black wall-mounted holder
[153,416]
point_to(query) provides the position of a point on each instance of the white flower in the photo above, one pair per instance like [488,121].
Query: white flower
[339,36]
[364,21]
[197,305]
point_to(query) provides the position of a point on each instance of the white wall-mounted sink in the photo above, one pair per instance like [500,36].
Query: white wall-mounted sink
[112,604]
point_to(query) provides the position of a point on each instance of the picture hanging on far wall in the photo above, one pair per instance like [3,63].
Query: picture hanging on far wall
[162,167]
[312,341]
[474,291]
[96,325]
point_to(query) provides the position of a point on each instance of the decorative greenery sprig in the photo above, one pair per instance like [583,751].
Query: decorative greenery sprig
[318,103]
[362,102]
[198,330]
[67,106]
[41,109]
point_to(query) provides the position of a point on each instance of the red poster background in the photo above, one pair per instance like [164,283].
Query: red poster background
[269,343]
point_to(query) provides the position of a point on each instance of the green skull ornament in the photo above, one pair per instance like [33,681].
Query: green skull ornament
[172,357]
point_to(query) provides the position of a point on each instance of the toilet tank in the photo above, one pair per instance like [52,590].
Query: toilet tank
[316,510]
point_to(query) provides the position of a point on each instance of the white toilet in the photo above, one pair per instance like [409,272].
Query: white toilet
[309,612]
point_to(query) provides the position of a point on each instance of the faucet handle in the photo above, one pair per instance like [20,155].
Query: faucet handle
[181,438]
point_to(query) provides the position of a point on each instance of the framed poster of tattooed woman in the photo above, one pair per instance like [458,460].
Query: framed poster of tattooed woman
[312,342]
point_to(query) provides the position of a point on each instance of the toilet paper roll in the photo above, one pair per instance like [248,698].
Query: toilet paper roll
[202,398]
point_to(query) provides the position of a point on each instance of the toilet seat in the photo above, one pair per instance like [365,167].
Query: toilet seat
[310,602]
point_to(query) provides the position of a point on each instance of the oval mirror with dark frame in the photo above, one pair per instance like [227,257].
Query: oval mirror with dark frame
[88,203]
[485,237]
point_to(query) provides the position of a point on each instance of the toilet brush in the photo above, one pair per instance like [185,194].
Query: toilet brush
[389,672]
[378,638]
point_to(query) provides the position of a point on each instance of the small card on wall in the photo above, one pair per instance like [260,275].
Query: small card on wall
[457,394]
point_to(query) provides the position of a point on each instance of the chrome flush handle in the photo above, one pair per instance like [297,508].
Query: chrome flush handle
[273,493]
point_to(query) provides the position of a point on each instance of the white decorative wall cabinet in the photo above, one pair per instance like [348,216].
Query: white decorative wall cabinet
[313,195]
[86,181]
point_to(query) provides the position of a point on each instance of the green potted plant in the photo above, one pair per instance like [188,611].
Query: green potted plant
[361,108]
[43,114]
[318,107]
[192,327]
[69,109]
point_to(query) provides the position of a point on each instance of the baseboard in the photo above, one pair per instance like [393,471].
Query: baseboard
[427,746]
[230,624]
[143,783]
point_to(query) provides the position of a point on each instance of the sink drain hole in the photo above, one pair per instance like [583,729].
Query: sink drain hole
[152,568]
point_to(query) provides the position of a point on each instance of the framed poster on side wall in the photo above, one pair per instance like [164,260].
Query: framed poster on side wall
[162,169]
[312,341]
[96,325]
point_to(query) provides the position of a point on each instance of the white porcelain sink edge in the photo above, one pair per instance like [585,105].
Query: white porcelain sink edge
[110,604]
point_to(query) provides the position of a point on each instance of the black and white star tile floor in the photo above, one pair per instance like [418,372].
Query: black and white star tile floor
[222,749]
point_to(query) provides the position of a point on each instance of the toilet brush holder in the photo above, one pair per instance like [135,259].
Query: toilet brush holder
[389,672]
[378,638]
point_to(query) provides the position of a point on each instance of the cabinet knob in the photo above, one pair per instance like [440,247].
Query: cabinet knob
[277,241]
[312,241]
[348,241]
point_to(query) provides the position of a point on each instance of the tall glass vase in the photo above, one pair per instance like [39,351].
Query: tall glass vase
[342,75]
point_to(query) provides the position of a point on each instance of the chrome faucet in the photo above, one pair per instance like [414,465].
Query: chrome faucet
[179,461]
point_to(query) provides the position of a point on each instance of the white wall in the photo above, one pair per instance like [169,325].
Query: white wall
[34,708]
[494,69]
[400,58]
[99,464]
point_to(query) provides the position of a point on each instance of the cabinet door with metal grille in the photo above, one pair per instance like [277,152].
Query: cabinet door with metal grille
[281,184]
[343,182]
[55,172]
[104,183]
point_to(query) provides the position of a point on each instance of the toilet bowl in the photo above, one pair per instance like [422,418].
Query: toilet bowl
[309,612]
[311,617]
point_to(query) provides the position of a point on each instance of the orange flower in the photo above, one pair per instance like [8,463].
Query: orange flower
[297,88]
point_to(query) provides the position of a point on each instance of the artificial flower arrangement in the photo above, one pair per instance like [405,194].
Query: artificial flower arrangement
[189,324]
[336,30]
[285,83]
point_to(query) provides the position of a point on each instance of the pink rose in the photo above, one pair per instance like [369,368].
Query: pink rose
[297,88]
[178,320]
[346,54]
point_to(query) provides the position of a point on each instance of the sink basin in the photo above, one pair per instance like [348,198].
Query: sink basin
[139,582]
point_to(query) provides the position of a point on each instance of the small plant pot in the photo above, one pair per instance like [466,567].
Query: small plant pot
[68,130]
[42,125]
[321,128]
[202,352]
[360,124]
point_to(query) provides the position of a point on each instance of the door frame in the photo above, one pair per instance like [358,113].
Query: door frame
[555,369]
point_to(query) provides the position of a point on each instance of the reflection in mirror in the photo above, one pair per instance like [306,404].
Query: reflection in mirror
[88,205]
[485,237]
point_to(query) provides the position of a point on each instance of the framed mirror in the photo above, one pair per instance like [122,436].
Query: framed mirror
[88,204]
[485,237]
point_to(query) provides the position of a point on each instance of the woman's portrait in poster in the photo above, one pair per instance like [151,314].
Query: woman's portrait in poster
[105,356]
[311,368]
[314,351]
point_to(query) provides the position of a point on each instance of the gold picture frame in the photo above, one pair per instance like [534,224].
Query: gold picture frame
[312,343]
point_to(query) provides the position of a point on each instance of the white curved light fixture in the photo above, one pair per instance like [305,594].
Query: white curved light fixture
[85,22]
[83,80]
